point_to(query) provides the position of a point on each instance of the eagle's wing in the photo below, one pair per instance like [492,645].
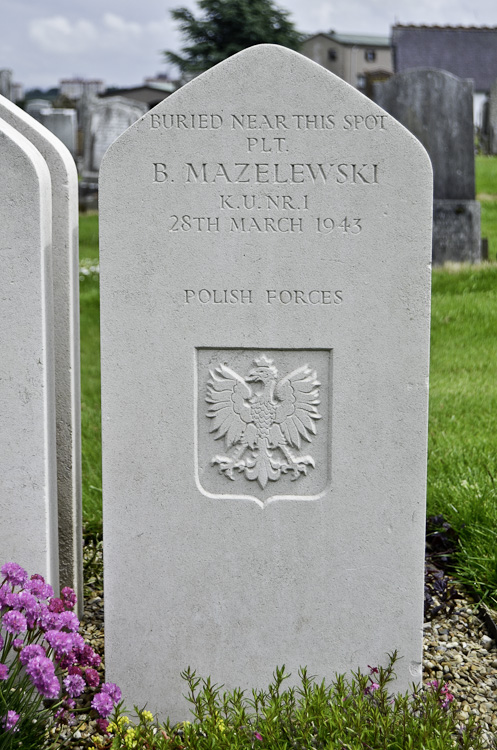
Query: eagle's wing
[227,393]
[296,412]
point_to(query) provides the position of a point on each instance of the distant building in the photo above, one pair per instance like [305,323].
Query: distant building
[75,88]
[464,51]
[353,57]
[153,91]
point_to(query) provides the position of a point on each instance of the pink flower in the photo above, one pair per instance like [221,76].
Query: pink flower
[102,725]
[4,672]
[111,689]
[68,597]
[27,601]
[14,622]
[14,574]
[102,702]
[374,686]
[74,685]
[10,720]
[92,677]
[69,621]
[29,652]
[258,736]
[56,605]
[41,671]
[37,586]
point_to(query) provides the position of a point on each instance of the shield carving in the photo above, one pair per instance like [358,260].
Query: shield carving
[263,423]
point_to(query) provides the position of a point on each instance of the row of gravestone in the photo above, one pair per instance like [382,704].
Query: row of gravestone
[100,122]
[265,262]
[40,464]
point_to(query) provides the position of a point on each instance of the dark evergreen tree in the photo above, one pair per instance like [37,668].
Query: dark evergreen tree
[228,26]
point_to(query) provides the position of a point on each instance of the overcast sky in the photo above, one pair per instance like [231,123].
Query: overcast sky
[120,41]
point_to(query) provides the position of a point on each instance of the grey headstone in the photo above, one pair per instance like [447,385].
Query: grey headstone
[63,124]
[64,182]
[35,106]
[265,211]
[437,107]
[492,119]
[28,484]
[104,121]
[6,83]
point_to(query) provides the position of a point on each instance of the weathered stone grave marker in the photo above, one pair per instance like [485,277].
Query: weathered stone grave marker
[64,217]
[28,492]
[265,281]
[492,119]
[63,124]
[437,107]
[104,121]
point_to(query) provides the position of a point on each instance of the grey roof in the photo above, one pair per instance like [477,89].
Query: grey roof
[464,51]
[363,40]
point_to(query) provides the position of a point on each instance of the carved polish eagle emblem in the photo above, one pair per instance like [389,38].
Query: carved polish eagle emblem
[263,418]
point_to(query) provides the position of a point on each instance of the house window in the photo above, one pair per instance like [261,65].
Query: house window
[332,54]
[361,81]
[370,55]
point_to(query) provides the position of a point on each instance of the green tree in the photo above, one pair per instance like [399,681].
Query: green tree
[226,27]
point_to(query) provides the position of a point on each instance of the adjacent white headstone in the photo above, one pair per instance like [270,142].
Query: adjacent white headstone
[265,281]
[64,181]
[28,484]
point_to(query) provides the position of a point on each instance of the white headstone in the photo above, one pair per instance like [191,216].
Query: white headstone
[265,282]
[104,121]
[28,491]
[63,123]
[64,181]
[35,106]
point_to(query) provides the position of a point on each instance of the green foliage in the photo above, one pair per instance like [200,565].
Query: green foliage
[90,375]
[88,236]
[226,27]
[486,192]
[462,466]
[350,714]
[486,175]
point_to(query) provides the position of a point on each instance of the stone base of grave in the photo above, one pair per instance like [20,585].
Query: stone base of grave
[456,231]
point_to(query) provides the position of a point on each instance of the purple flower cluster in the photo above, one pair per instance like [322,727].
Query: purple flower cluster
[104,702]
[41,671]
[42,631]
[9,721]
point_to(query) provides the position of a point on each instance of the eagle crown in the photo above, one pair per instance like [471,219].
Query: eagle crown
[266,374]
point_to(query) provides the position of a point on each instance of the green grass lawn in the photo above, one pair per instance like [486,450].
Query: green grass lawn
[462,466]
[90,376]
[486,192]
